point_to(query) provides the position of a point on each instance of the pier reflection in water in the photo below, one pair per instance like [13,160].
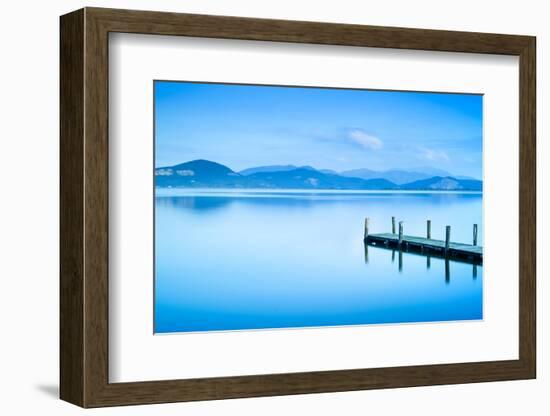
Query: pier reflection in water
[447,262]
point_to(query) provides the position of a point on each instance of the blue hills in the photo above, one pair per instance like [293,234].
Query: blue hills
[207,174]
[447,183]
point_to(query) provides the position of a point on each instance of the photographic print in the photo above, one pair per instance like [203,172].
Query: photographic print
[300,207]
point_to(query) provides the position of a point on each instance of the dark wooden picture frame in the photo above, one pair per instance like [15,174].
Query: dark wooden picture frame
[84,207]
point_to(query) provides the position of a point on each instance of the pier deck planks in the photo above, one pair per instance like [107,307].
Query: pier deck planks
[412,242]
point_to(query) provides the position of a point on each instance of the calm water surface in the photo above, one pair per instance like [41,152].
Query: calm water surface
[228,260]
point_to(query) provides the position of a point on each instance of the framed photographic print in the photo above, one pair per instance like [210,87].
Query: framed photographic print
[256,207]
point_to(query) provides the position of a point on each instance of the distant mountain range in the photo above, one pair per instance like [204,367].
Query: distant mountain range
[207,174]
[400,177]
[274,168]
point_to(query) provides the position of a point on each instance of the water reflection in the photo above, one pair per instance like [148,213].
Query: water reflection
[446,260]
[201,201]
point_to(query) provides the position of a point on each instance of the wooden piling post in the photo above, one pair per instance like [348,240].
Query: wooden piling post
[400,233]
[475,234]
[447,270]
[393,225]
[366,228]
[429,229]
[400,261]
[447,238]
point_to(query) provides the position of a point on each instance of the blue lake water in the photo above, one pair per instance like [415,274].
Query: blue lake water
[233,260]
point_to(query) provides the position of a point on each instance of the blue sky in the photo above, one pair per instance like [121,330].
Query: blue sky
[244,126]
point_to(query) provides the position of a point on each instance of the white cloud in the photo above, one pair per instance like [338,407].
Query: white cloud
[365,140]
[434,155]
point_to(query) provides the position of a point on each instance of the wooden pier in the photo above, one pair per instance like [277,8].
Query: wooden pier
[426,245]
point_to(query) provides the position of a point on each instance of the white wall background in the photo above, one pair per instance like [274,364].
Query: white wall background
[29,208]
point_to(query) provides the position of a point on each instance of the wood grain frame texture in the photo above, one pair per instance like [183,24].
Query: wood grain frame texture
[84,207]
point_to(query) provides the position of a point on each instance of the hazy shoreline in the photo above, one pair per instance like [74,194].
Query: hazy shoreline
[163,191]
